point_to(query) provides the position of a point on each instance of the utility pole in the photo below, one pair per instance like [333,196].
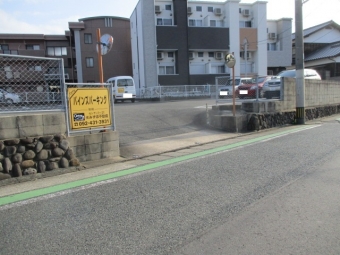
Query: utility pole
[299,64]
[245,45]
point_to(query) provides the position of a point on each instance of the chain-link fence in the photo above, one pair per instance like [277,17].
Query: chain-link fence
[30,83]
[178,91]
[89,107]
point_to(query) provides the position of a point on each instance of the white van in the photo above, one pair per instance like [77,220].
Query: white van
[123,88]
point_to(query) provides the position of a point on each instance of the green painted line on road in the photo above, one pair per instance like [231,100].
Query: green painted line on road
[75,184]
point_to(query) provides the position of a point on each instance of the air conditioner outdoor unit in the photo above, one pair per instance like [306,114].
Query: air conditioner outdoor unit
[218,11]
[159,55]
[218,55]
[272,35]
[191,55]
[246,12]
[189,10]
[157,9]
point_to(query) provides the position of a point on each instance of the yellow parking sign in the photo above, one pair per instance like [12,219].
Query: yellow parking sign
[89,107]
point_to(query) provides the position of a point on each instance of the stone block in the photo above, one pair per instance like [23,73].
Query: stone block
[55,119]
[79,151]
[110,154]
[110,146]
[76,140]
[234,124]
[93,138]
[30,131]
[93,156]
[8,133]
[8,122]
[82,158]
[55,129]
[93,148]
[29,121]
[110,136]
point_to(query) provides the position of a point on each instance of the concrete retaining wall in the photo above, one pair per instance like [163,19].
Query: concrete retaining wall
[86,147]
[32,125]
[317,94]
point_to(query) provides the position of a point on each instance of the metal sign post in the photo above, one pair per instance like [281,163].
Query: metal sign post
[230,62]
[100,59]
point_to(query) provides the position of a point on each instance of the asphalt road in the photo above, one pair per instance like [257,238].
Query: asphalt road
[149,120]
[265,196]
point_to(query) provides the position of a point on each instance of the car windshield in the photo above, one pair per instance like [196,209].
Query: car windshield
[289,73]
[230,81]
[259,80]
[124,82]
[237,81]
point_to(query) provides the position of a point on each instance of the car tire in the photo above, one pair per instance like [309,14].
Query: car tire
[9,101]
[132,100]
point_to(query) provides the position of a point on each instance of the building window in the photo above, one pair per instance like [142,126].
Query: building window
[89,62]
[108,22]
[211,54]
[218,69]
[53,70]
[34,68]
[164,22]
[216,23]
[198,8]
[163,70]
[32,47]
[4,47]
[200,54]
[210,9]
[168,7]
[56,51]
[271,46]
[87,38]
[195,23]
[245,23]
[170,54]
[167,22]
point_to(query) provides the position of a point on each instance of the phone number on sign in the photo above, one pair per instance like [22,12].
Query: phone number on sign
[91,123]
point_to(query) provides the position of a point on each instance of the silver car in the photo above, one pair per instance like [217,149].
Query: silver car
[8,97]
[272,87]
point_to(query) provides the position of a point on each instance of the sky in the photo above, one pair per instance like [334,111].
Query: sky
[52,17]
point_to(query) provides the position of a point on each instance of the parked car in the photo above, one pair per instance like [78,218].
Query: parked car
[227,90]
[272,87]
[249,90]
[8,97]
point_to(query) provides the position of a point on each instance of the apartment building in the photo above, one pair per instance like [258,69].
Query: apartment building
[84,40]
[279,44]
[78,49]
[181,42]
